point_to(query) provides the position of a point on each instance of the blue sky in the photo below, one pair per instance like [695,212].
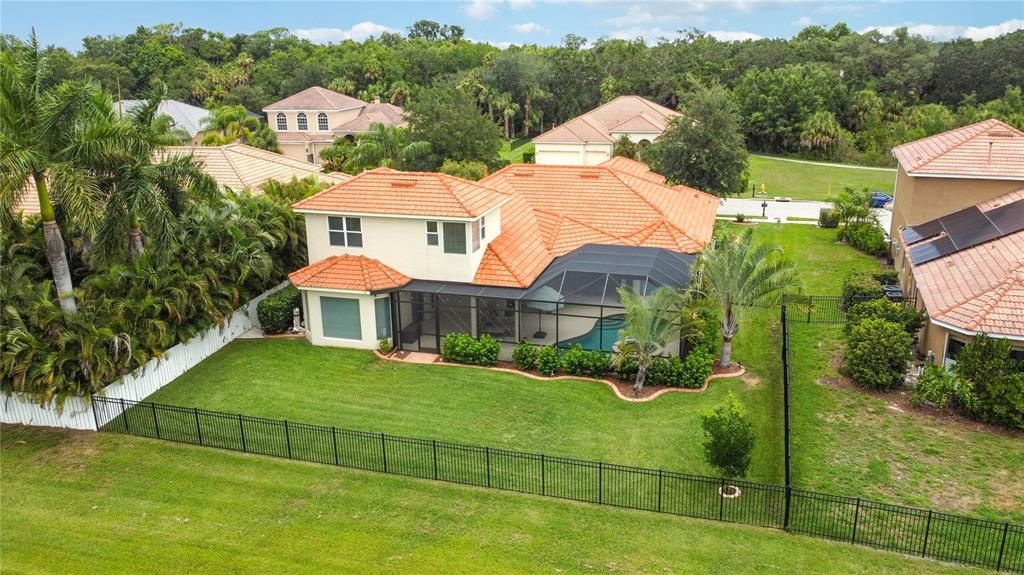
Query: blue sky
[513,21]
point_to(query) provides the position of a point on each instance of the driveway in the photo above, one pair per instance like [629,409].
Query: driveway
[794,209]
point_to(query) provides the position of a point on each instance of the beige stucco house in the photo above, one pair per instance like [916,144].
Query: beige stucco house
[530,252]
[309,121]
[958,234]
[588,139]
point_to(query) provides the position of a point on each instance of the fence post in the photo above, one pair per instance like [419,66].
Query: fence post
[660,474]
[789,501]
[288,439]
[856,516]
[810,306]
[199,430]
[241,432]
[721,500]
[487,455]
[334,440]
[1002,546]
[600,482]
[156,426]
[543,488]
[124,416]
[384,451]
[95,416]
[434,445]
[927,530]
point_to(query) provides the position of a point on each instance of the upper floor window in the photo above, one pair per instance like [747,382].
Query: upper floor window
[483,228]
[432,235]
[476,235]
[301,121]
[282,122]
[345,231]
[454,238]
[321,122]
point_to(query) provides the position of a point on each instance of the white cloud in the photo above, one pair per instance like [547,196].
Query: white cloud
[803,22]
[949,32]
[481,9]
[520,4]
[839,8]
[529,28]
[358,32]
[734,35]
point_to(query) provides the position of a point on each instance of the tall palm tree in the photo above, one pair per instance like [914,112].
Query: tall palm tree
[508,109]
[388,147]
[399,93]
[532,93]
[49,138]
[734,272]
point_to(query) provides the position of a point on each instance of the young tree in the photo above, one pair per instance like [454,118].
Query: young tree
[735,272]
[851,207]
[50,139]
[650,323]
[703,147]
[388,147]
[625,147]
[729,438]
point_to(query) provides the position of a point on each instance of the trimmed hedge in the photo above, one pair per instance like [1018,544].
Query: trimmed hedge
[861,287]
[275,310]
[697,368]
[868,238]
[578,361]
[525,356]
[878,354]
[548,360]
[909,318]
[464,348]
[828,219]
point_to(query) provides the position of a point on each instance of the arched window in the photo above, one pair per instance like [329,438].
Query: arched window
[282,122]
[321,122]
[301,119]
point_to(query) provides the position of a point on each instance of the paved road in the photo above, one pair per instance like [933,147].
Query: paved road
[784,210]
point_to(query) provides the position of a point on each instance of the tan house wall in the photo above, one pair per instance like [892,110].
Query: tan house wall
[572,154]
[297,150]
[919,199]
[367,318]
[333,119]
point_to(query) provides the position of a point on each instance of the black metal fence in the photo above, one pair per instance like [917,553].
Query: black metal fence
[905,529]
[828,309]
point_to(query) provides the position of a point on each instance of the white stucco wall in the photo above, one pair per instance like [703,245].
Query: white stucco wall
[572,154]
[401,243]
[367,318]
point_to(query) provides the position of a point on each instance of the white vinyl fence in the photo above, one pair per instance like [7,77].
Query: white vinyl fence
[78,414]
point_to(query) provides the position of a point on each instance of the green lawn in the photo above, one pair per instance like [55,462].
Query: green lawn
[513,150]
[814,182]
[83,503]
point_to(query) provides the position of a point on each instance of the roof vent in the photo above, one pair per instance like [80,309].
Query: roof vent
[1000,134]
[522,173]
[403,183]
[590,175]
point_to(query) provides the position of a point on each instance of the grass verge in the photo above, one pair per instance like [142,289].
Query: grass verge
[814,182]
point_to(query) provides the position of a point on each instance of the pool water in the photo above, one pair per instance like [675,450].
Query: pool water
[602,336]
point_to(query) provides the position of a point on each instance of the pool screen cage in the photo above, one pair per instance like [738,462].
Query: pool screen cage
[575,300]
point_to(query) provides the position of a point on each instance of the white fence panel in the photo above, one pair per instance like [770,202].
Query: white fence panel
[77,413]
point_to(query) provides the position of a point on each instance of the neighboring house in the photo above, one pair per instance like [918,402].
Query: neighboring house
[588,139]
[309,121]
[958,234]
[530,252]
[186,116]
[239,167]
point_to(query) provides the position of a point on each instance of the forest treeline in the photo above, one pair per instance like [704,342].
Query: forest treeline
[827,92]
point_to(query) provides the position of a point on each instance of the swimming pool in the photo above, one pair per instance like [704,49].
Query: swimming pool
[602,336]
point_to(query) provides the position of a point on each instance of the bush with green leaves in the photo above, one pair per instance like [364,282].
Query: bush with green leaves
[887,277]
[275,310]
[942,389]
[578,361]
[384,345]
[910,318]
[626,368]
[877,354]
[868,238]
[860,287]
[466,169]
[828,219]
[464,348]
[667,371]
[729,438]
[549,361]
[697,368]
[988,364]
[525,356]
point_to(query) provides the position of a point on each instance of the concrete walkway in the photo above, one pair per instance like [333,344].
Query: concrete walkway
[794,209]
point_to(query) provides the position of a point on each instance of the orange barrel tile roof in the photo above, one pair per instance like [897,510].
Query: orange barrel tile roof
[623,114]
[389,192]
[349,272]
[988,149]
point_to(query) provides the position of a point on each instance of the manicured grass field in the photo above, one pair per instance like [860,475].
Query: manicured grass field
[813,182]
[83,503]
[513,150]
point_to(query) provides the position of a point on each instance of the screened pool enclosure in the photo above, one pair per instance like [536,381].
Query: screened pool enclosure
[575,300]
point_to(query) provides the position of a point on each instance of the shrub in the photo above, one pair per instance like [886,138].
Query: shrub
[548,360]
[464,348]
[384,345]
[828,219]
[998,383]
[868,238]
[878,353]
[942,388]
[740,218]
[697,368]
[887,277]
[909,318]
[525,356]
[860,287]
[529,157]
[626,368]
[729,438]
[711,329]
[578,361]
[667,371]
[467,169]
[275,310]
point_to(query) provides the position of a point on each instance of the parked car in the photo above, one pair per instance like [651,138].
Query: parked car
[880,199]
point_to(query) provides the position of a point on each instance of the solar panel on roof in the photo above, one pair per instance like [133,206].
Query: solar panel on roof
[1008,218]
[961,224]
[923,231]
[931,250]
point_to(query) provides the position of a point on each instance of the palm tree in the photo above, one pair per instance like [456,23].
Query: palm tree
[650,323]
[399,92]
[734,272]
[532,92]
[851,207]
[49,138]
[388,147]
[508,109]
